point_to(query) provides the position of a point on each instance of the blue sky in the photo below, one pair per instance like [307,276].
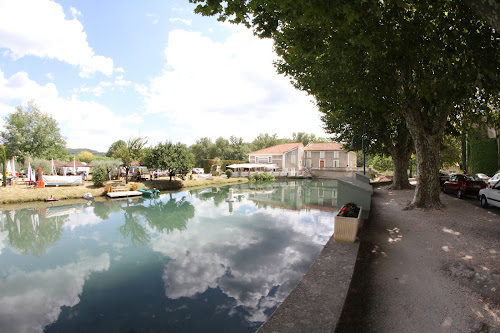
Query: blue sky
[111,70]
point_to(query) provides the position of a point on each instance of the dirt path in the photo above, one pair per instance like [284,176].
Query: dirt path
[426,271]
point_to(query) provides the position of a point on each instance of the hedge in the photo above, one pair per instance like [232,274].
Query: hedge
[483,156]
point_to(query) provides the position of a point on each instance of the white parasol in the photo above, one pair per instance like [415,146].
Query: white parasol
[8,169]
[13,167]
[29,172]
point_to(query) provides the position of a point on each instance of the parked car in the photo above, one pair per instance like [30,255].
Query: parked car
[198,170]
[463,185]
[493,180]
[483,177]
[443,176]
[490,196]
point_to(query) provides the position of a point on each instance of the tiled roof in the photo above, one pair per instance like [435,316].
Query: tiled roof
[323,146]
[279,149]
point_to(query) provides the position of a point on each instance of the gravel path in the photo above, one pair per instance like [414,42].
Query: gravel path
[426,271]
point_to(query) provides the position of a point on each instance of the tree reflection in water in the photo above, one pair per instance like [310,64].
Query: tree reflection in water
[31,233]
[170,215]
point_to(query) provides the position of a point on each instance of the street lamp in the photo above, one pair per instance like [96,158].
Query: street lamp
[362,145]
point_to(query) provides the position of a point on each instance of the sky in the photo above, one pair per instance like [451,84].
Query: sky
[112,70]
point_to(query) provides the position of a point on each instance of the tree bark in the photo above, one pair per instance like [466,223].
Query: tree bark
[427,133]
[401,150]
[401,160]
[464,151]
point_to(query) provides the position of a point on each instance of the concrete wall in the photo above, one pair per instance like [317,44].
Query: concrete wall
[332,173]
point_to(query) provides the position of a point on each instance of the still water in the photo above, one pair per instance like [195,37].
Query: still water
[183,262]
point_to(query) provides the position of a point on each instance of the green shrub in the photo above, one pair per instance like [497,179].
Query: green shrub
[99,176]
[483,156]
[229,173]
[262,177]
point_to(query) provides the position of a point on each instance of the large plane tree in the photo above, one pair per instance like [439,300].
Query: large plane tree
[434,56]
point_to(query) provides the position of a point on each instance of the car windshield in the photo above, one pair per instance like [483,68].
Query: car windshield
[472,178]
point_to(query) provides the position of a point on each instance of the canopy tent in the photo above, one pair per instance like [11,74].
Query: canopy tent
[252,166]
[75,165]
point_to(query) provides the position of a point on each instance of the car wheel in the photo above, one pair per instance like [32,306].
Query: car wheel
[484,202]
[460,194]
[444,189]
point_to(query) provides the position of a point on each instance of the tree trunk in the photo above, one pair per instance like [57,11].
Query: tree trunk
[401,160]
[126,175]
[463,166]
[427,135]
[401,152]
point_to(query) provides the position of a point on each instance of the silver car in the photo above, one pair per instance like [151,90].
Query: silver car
[493,180]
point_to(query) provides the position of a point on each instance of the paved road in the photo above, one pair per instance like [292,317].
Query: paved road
[426,271]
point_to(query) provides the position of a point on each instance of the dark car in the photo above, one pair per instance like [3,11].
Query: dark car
[463,185]
[443,176]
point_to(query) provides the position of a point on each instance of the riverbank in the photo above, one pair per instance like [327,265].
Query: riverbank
[20,193]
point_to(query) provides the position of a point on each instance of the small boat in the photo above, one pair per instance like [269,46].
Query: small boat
[88,196]
[51,199]
[148,193]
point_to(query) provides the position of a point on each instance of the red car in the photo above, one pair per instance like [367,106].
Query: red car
[463,185]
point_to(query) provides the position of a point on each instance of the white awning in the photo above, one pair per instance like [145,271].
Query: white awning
[252,166]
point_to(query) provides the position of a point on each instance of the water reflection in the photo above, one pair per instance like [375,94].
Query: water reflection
[190,260]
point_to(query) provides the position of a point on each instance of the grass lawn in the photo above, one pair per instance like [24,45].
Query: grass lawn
[20,193]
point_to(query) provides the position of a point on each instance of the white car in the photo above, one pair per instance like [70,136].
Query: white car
[490,196]
[493,180]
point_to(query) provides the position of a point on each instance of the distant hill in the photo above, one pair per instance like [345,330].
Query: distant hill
[76,151]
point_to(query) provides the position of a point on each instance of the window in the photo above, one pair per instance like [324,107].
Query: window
[269,159]
[308,154]
[336,163]
[321,154]
[308,163]
[335,154]
[293,158]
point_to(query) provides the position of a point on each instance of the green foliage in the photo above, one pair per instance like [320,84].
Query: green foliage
[350,209]
[265,140]
[112,166]
[131,152]
[175,158]
[306,138]
[483,156]
[28,131]
[383,163]
[37,163]
[3,159]
[229,173]
[261,177]
[115,146]
[450,152]
[99,176]
[85,156]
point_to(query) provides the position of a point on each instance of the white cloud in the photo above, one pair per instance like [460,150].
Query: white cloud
[31,309]
[75,12]
[47,33]
[178,19]
[226,88]
[84,123]
[237,259]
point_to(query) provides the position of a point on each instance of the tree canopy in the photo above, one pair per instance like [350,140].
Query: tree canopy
[130,153]
[30,132]
[426,58]
[172,157]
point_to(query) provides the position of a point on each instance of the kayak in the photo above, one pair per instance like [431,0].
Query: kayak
[148,193]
